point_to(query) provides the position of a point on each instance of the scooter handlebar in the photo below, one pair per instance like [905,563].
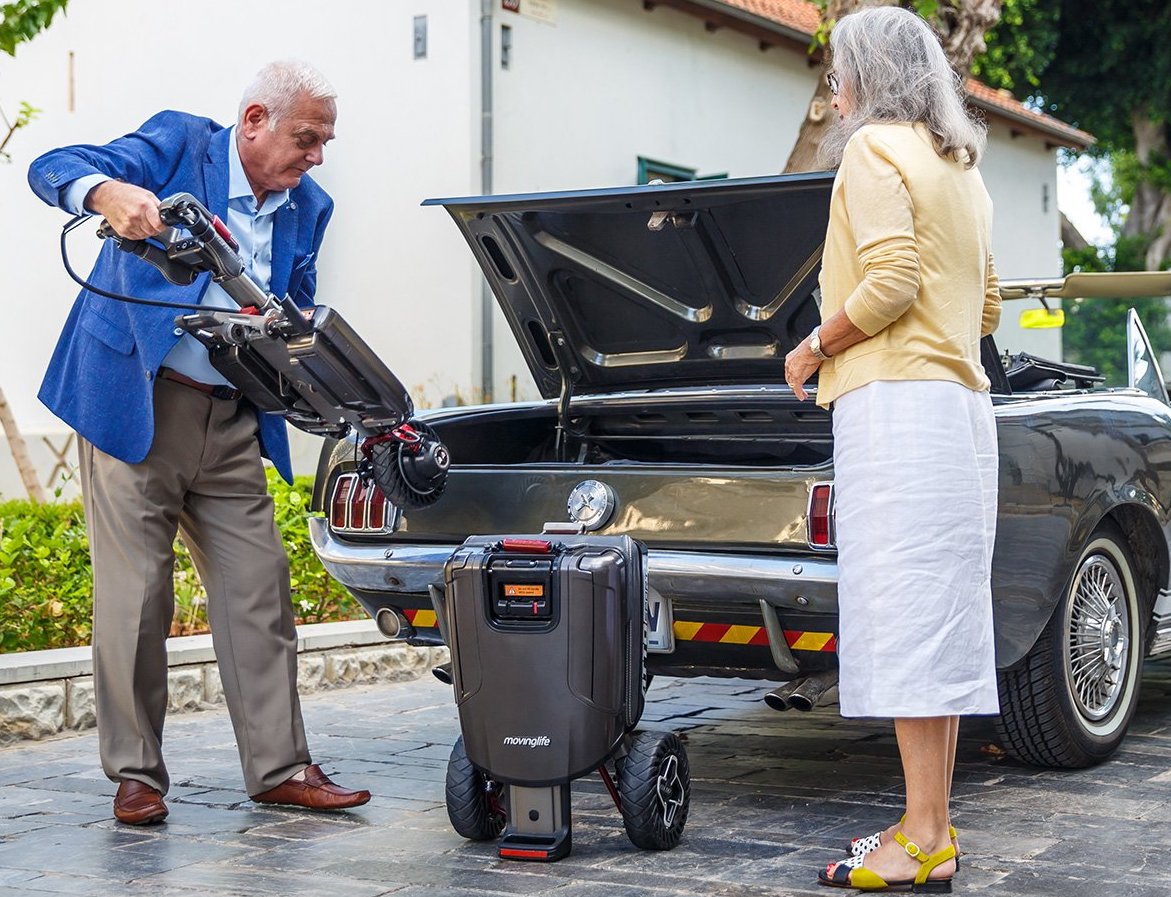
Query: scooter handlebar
[210,247]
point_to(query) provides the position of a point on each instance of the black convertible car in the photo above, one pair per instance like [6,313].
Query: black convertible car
[655,321]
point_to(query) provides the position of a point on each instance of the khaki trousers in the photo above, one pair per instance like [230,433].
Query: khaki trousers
[203,478]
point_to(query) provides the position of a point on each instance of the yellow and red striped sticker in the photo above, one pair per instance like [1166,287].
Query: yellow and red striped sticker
[720,632]
[686,631]
[811,641]
[752,635]
[420,619]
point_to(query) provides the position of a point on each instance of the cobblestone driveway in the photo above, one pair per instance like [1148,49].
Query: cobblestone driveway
[775,796]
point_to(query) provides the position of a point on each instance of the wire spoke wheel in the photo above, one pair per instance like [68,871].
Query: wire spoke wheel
[1098,646]
[1069,701]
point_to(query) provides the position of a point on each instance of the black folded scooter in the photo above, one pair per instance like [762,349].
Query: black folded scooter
[307,364]
[548,648]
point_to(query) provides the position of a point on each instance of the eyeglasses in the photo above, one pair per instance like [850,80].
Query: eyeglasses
[831,78]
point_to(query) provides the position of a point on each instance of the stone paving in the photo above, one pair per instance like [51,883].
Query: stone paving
[774,797]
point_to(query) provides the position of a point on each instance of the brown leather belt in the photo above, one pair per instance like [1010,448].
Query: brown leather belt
[215,391]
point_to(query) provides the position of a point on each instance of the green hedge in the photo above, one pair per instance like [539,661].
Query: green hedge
[45,584]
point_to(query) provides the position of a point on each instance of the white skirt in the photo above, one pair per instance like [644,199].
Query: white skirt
[915,467]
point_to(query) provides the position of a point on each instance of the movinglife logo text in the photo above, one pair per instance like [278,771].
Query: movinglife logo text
[529,741]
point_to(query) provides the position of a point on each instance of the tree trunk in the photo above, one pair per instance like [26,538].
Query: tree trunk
[819,114]
[1071,237]
[1150,210]
[961,25]
[16,443]
[817,118]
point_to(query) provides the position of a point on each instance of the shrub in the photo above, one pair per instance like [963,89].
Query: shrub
[317,598]
[45,581]
[44,576]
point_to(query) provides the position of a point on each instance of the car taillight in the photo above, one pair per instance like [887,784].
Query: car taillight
[339,507]
[821,516]
[357,506]
[376,508]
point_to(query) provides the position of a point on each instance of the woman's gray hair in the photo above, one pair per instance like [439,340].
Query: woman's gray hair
[279,85]
[891,68]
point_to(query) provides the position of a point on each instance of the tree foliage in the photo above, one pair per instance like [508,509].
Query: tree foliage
[25,19]
[1096,64]
[1102,66]
[1095,329]
[1019,47]
[1092,63]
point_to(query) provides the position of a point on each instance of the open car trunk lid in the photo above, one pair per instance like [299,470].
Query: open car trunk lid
[686,284]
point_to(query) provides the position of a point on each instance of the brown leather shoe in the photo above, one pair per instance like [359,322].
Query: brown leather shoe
[317,792]
[136,803]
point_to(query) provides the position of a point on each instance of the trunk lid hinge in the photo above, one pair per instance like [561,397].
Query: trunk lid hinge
[570,373]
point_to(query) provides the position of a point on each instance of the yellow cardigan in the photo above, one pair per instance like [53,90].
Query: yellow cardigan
[908,255]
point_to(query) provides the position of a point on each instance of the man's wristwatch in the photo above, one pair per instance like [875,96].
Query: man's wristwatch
[815,344]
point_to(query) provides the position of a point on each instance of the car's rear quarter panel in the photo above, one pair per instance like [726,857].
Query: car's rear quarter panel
[1067,463]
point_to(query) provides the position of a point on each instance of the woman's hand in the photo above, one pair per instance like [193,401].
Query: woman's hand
[799,367]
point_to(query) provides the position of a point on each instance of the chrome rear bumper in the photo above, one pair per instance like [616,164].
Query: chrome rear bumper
[801,584]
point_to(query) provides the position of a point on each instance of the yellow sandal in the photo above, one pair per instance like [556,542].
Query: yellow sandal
[859,847]
[851,873]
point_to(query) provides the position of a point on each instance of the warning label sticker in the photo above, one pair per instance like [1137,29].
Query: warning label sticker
[527,590]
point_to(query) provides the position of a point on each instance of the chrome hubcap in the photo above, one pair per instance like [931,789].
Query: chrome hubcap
[1098,644]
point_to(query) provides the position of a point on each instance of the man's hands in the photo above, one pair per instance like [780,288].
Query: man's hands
[132,211]
[799,367]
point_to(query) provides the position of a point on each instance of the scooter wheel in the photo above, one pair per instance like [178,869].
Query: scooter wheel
[396,474]
[475,804]
[654,782]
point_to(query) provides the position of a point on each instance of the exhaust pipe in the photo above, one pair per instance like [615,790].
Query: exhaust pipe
[803,694]
[778,698]
[389,623]
[810,691]
[443,673]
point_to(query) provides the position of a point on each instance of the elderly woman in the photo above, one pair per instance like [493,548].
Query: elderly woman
[908,288]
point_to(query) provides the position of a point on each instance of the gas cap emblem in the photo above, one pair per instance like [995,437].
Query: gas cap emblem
[591,504]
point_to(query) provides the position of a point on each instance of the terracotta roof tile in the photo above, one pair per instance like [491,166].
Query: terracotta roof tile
[796,14]
[804,17]
[1001,101]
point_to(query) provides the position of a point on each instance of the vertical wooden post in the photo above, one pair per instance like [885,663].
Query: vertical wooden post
[16,443]
[72,85]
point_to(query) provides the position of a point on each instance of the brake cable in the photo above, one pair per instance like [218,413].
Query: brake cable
[72,224]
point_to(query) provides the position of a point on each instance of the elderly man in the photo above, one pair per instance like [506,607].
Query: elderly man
[168,445]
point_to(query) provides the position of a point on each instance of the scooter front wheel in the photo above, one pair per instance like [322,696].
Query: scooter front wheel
[654,782]
[475,803]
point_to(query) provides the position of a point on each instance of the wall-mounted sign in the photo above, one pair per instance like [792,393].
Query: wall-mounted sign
[541,10]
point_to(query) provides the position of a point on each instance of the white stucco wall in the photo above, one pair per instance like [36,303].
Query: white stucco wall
[1021,176]
[583,97]
[609,82]
[407,129]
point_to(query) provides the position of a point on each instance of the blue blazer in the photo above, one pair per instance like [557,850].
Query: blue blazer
[101,378]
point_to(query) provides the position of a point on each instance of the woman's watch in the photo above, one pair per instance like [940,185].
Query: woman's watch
[815,344]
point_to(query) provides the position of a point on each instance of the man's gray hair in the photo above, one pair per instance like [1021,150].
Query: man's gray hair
[891,68]
[279,85]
